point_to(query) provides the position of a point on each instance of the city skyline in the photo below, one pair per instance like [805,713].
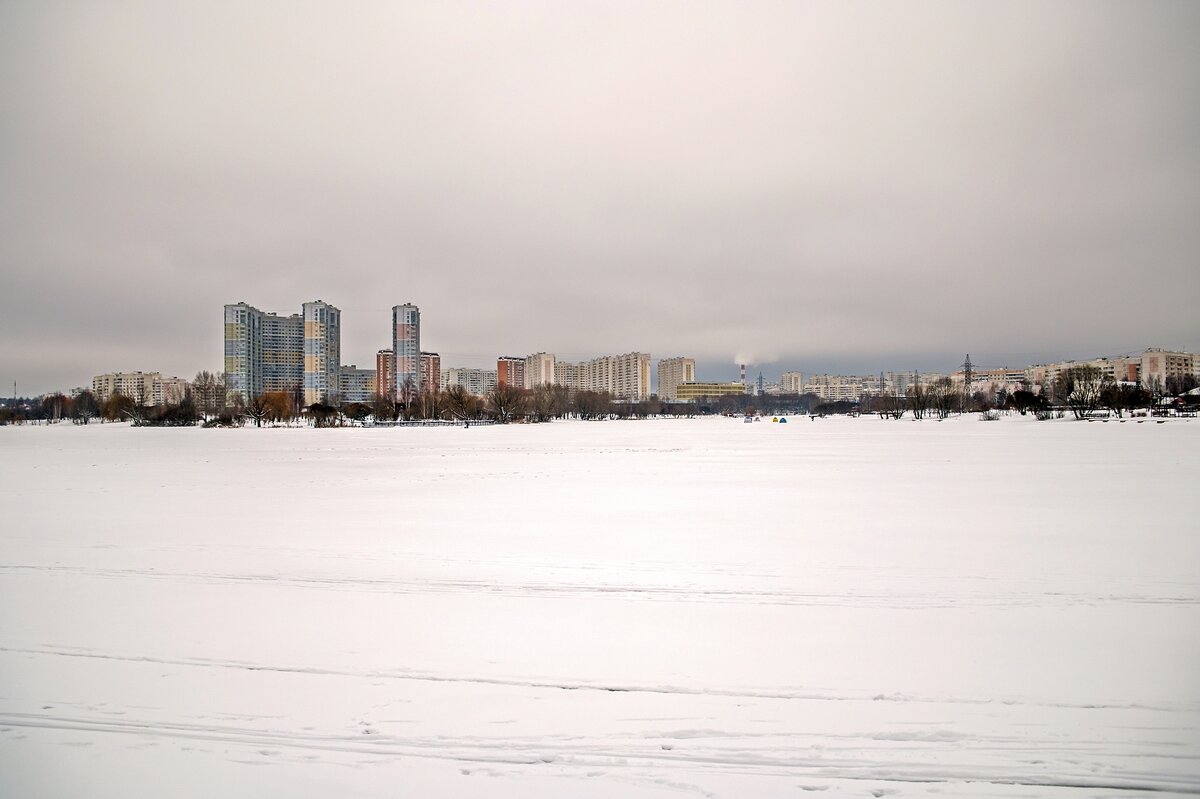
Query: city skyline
[842,188]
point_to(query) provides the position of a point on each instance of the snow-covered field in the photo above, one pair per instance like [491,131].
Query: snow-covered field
[648,609]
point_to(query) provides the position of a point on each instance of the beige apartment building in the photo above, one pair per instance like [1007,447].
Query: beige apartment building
[625,376]
[671,373]
[144,388]
[540,370]
[1156,367]
[474,381]
[792,383]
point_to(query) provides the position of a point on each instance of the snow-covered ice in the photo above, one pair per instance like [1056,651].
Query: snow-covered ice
[852,607]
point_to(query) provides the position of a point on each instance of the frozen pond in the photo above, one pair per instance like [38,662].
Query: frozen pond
[664,608]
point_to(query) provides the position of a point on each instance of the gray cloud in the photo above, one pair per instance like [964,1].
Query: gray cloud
[821,186]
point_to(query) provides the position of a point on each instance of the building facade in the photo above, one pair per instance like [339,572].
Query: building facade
[273,352]
[1161,370]
[144,388]
[626,377]
[356,385]
[474,381]
[322,351]
[539,370]
[383,374]
[792,383]
[282,352]
[431,372]
[510,371]
[672,372]
[688,392]
[406,351]
[243,350]
[566,374]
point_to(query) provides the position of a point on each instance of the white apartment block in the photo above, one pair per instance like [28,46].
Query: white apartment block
[792,383]
[475,381]
[144,388]
[672,372]
[1123,368]
[1156,367]
[624,376]
[991,380]
[839,388]
[540,370]
[566,374]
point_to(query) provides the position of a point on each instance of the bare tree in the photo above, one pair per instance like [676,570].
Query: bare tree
[258,409]
[944,398]
[1082,388]
[918,397]
[461,404]
[209,392]
[506,402]
[384,410]
[55,407]
[406,396]
[84,407]
[539,403]
[593,404]
[889,406]
[430,404]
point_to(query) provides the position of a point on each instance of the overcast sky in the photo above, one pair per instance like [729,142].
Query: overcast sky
[818,186]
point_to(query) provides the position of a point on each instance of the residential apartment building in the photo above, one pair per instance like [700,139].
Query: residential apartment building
[282,352]
[510,371]
[243,350]
[322,351]
[272,352]
[431,372]
[357,385]
[144,388]
[539,370]
[1160,369]
[691,391]
[383,374]
[474,381]
[991,381]
[624,376]
[406,350]
[839,388]
[671,373]
[173,390]
[792,383]
[566,374]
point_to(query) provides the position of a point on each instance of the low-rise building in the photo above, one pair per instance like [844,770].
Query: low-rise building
[686,392]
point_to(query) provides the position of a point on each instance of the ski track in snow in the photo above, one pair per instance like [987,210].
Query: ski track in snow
[892,599]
